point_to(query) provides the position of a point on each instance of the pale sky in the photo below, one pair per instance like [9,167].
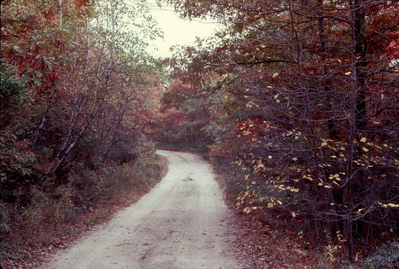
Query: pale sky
[177,31]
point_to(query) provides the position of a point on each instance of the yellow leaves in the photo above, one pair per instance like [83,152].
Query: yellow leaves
[224,76]
[295,159]
[276,98]
[324,185]
[270,205]
[261,19]
[249,209]
[348,73]
[388,205]
[276,75]
[363,140]
[335,177]
[261,47]
[244,198]
[365,149]
[282,187]
[324,143]
[251,104]
[308,177]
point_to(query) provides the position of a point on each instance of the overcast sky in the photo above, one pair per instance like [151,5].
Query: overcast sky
[177,31]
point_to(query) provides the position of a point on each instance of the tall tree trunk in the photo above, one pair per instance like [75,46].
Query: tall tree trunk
[360,60]
[358,119]
[349,237]
[323,47]
[60,13]
[40,127]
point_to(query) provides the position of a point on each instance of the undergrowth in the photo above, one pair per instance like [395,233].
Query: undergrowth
[273,238]
[90,197]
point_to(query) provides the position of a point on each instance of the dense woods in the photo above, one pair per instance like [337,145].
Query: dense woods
[295,103]
[298,105]
[75,112]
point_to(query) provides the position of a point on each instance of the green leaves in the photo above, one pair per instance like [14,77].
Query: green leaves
[12,88]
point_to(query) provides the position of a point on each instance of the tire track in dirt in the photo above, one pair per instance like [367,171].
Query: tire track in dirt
[180,224]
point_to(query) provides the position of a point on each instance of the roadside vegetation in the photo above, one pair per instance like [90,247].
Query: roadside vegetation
[296,104]
[76,110]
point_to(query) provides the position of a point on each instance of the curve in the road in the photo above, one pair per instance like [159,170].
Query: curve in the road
[180,224]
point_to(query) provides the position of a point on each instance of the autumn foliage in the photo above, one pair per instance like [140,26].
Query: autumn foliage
[74,113]
[303,102]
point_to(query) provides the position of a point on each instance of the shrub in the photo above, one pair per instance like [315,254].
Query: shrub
[47,213]
[11,87]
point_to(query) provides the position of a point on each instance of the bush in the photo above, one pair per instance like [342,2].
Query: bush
[387,256]
[11,87]
[47,213]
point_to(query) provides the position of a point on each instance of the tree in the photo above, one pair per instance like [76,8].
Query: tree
[74,103]
[304,80]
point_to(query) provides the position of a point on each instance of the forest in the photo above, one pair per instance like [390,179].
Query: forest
[294,103]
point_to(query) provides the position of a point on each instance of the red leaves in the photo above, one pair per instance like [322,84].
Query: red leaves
[392,50]
[253,128]
[174,119]
[36,46]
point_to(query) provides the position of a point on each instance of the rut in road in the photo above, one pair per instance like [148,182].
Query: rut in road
[181,224]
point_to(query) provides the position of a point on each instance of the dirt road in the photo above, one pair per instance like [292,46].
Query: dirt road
[180,224]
